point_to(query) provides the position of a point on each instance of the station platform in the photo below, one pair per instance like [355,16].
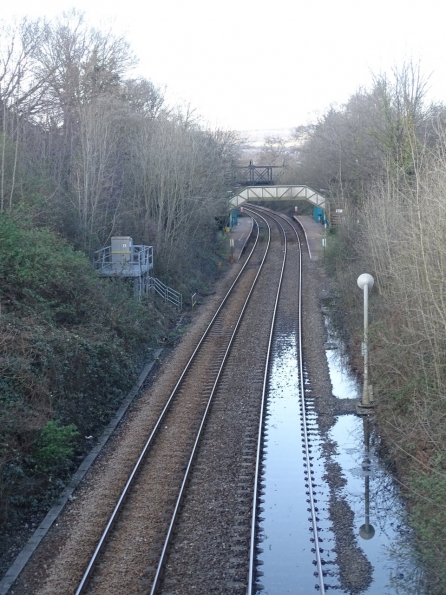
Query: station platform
[240,234]
[315,233]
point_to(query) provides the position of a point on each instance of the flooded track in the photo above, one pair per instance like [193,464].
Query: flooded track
[187,525]
[351,555]
[287,536]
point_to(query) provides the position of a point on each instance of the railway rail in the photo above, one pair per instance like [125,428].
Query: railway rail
[239,413]
[186,518]
[193,392]
[295,265]
[214,351]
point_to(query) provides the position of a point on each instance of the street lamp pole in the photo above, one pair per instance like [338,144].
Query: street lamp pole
[366,281]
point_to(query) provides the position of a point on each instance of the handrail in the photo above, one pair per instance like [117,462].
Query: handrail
[167,293]
[136,263]
[140,256]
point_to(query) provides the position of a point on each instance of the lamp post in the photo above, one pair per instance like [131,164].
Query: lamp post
[366,281]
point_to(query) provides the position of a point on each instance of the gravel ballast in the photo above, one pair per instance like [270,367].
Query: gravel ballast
[77,528]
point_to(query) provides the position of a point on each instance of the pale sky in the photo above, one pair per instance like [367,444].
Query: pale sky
[253,64]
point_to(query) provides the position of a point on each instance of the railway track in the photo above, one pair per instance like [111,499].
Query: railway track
[218,506]
[196,398]
[286,306]
[186,520]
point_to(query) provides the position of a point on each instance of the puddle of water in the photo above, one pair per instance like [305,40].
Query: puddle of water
[373,499]
[286,561]
[345,384]
[370,490]
[286,531]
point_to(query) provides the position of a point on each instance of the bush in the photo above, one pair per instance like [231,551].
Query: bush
[55,445]
[71,344]
[426,498]
[42,274]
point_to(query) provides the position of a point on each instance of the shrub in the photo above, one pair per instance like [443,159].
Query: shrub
[55,445]
[71,344]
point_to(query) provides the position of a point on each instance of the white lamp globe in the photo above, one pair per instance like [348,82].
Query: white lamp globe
[365,279]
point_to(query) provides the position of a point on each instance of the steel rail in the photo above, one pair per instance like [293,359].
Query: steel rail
[319,563]
[260,433]
[313,511]
[175,513]
[307,448]
[113,517]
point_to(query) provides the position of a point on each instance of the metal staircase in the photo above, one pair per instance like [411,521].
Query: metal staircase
[125,259]
[167,293]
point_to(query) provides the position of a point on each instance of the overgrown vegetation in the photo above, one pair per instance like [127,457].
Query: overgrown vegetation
[382,157]
[87,152]
[70,347]
[91,152]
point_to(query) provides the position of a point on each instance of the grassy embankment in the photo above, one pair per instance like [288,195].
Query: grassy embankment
[71,345]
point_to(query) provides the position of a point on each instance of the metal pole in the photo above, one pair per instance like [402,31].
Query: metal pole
[364,282]
[365,391]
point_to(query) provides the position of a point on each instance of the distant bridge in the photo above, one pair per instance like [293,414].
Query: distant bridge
[286,192]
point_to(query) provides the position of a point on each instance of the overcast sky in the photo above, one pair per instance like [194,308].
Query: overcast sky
[257,64]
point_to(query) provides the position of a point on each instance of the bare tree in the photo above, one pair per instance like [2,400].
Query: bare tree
[21,94]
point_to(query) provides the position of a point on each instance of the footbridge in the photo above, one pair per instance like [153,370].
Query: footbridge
[285,192]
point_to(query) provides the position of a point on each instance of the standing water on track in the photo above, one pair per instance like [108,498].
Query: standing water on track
[285,562]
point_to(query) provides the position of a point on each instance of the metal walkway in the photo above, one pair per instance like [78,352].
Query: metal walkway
[125,259]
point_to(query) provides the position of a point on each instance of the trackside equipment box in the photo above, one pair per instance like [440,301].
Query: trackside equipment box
[121,249]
